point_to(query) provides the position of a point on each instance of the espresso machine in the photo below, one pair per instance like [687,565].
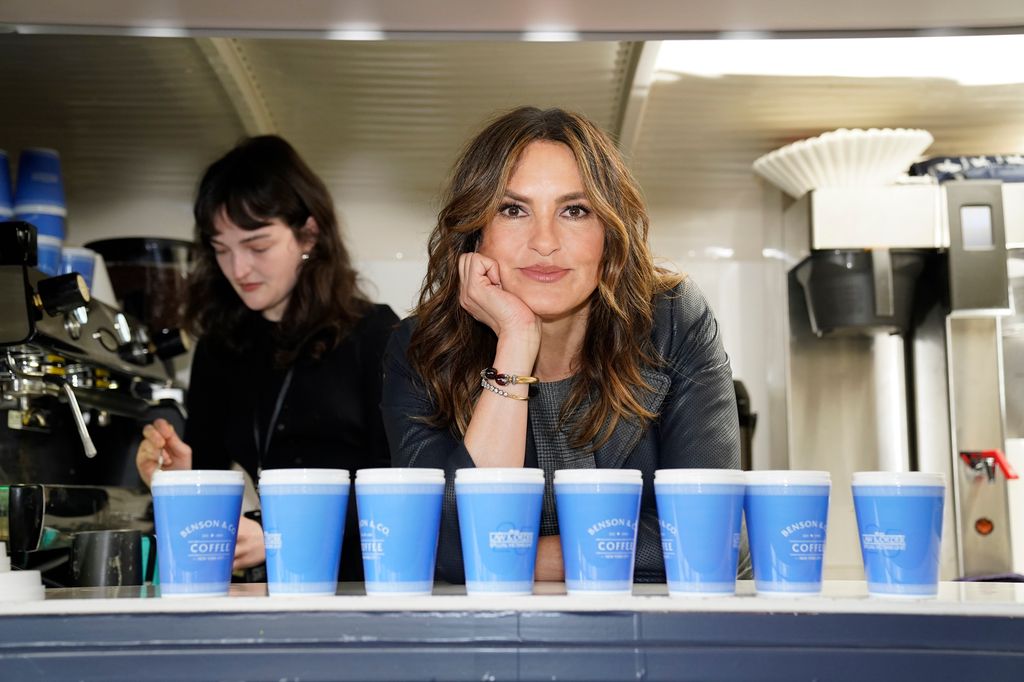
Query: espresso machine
[900,345]
[78,380]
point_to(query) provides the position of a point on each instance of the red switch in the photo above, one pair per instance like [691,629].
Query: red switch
[982,460]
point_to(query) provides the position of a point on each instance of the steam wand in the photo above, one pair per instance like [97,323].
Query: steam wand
[76,412]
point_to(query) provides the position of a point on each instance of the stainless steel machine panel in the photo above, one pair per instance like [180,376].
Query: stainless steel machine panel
[975,373]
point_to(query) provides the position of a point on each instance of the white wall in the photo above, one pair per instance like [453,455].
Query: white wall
[742,289]
[388,243]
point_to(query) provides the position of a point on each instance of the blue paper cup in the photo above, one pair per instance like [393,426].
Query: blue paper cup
[787,517]
[80,260]
[48,250]
[399,517]
[899,519]
[6,197]
[47,224]
[303,525]
[40,188]
[499,522]
[598,512]
[700,512]
[196,514]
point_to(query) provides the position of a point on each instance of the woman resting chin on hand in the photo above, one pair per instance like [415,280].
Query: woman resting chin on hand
[549,276]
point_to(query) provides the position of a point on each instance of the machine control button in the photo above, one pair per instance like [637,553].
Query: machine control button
[61,294]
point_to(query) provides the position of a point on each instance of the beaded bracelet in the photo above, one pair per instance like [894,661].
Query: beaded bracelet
[504,394]
[491,374]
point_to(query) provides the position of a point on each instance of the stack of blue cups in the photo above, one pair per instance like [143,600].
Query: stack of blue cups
[39,200]
[6,198]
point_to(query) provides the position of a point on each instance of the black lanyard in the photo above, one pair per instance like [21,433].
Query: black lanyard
[261,452]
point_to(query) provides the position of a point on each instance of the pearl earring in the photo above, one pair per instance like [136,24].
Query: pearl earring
[305,256]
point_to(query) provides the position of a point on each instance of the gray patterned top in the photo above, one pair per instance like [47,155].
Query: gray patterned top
[550,439]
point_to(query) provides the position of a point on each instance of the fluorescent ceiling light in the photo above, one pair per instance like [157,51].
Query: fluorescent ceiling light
[550,34]
[718,252]
[356,32]
[970,60]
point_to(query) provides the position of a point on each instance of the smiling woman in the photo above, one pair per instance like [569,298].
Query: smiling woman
[546,233]
[287,369]
[546,337]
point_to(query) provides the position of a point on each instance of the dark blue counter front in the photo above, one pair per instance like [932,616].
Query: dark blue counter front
[972,632]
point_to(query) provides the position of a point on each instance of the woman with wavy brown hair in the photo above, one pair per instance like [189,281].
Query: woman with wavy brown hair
[539,268]
[287,369]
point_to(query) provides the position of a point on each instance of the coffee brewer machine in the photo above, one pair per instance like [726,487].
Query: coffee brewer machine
[78,379]
[896,357]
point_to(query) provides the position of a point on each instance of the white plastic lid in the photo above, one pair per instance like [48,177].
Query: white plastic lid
[304,477]
[787,477]
[400,475]
[197,477]
[49,209]
[899,478]
[499,475]
[599,476]
[21,586]
[79,251]
[722,476]
[42,209]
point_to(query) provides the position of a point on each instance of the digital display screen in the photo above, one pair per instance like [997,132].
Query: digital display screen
[976,227]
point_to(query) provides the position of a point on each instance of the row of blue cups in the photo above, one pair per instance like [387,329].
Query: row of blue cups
[197,512]
[700,513]
[899,516]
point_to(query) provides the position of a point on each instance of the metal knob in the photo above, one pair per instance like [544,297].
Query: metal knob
[61,294]
[170,343]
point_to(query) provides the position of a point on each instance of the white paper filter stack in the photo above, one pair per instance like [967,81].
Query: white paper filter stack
[843,158]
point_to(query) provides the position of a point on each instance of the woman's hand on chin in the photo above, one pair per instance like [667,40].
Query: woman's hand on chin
[483,297]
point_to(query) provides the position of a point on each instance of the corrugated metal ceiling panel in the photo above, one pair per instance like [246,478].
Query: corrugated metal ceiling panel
[131,116]
[703,133]
[390,117]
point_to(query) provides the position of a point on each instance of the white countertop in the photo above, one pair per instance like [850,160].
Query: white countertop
[962,599]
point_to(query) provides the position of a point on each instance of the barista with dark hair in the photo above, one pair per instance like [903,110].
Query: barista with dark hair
[287,369]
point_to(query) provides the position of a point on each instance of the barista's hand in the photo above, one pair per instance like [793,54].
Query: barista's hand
[481,294]
[249,549]
[161,448]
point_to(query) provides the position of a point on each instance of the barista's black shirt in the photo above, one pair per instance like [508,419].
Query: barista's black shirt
[329,418]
